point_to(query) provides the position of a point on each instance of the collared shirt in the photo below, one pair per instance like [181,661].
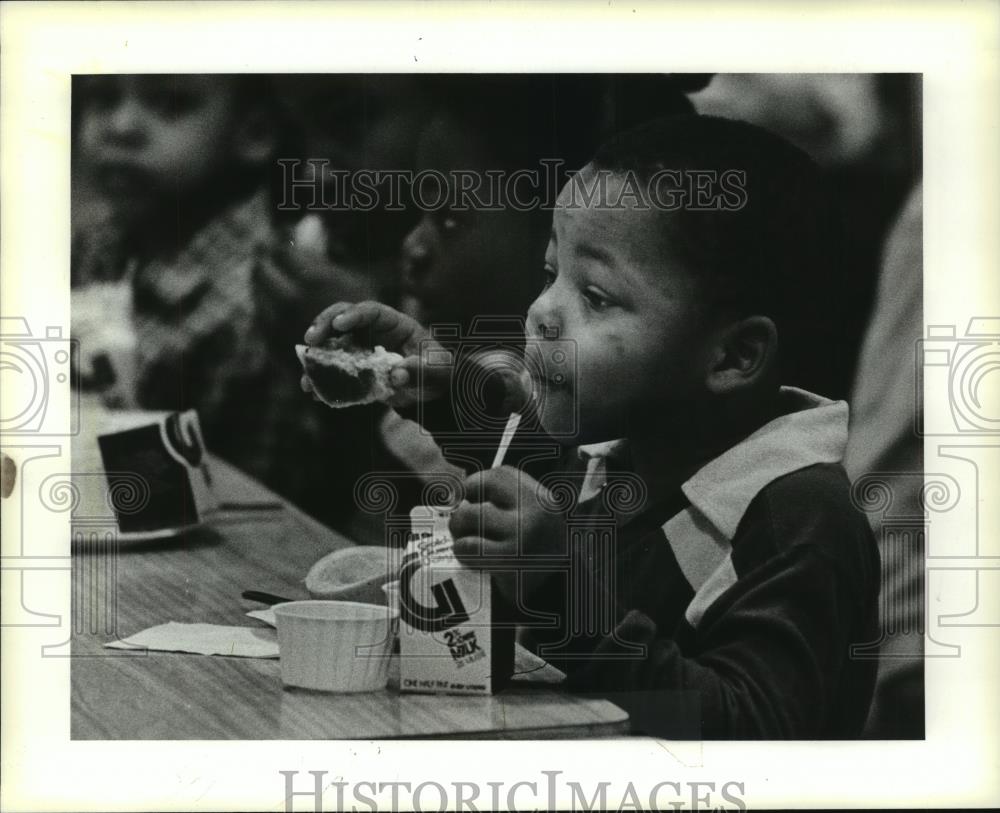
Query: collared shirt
[594,458]
[729,609]
[813,430]
[194,311]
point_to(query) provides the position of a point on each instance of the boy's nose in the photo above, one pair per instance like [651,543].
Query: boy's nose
[542,321]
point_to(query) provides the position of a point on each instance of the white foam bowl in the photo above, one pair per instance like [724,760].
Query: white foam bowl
[354,573]
[335,646]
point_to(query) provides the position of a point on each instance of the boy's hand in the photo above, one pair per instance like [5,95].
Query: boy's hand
[503,525]
[373,323]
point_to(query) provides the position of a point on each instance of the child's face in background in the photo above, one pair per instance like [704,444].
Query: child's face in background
[633,316]
[150,140]
[458,265]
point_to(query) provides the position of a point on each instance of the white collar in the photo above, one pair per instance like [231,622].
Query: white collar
[812,430]
[603,449]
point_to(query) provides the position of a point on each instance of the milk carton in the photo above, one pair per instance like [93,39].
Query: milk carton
[452,638]
[157,474]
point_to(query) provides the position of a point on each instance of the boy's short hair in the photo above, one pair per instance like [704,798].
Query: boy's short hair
[770,250]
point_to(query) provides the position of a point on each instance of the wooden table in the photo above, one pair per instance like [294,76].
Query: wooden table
[123,588]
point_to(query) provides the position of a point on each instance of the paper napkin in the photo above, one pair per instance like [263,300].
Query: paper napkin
[204,639]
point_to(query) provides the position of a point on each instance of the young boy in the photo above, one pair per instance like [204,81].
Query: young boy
[474,262]
[176,215]
[722,597]
[176,245]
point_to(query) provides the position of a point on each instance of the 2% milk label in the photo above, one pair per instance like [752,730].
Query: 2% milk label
[448,641]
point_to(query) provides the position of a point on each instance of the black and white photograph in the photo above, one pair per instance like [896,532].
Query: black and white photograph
[579,407]
[668,279]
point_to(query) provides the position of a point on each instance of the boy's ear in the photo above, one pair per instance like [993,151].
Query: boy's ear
[256,137]
[746,353]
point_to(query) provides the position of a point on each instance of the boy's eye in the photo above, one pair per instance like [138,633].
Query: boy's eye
[597,299]
[550,275]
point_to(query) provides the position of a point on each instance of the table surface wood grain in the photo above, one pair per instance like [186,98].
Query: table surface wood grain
[121,588]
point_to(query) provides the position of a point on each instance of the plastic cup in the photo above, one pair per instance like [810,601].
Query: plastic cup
[335,646]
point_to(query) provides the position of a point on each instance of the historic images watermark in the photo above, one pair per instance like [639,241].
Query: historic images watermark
[40,364]
[547,791]
[315,185]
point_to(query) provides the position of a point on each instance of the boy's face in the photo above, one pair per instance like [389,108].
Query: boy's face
[457,265]
[150,139]
[633,316]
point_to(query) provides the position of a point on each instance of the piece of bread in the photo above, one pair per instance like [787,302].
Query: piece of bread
[343,374]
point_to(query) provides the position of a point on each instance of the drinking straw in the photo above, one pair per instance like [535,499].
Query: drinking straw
[506,438]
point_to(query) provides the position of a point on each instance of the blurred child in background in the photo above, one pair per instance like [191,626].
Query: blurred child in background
[178,288]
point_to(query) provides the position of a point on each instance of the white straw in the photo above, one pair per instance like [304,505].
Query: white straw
[506,438]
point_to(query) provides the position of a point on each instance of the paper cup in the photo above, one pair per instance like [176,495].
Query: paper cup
[335,646]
